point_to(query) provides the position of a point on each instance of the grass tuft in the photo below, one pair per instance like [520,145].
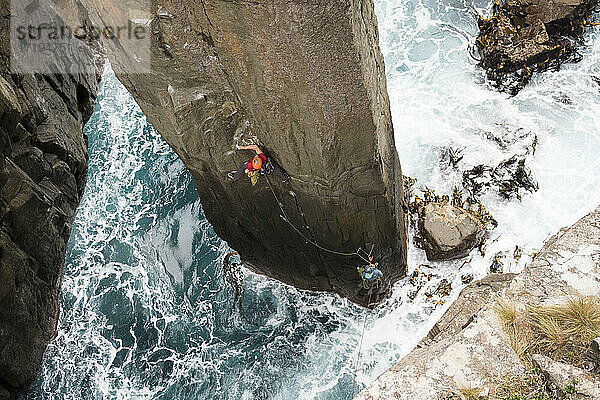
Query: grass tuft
[471,393]
[515,325]
[506,311]
[562,332]
[581,317]
[550,331]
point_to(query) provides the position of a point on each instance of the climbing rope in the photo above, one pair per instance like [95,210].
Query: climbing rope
[307,239]
[286,218]
[360,343]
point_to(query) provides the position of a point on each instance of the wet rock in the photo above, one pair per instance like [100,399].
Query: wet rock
[524,35]
[509,178]
[595,346]
[466,278]
[592,357]
[498,263]
[449,232]
[43,168]
[509,137]
[564,378]
[438,296]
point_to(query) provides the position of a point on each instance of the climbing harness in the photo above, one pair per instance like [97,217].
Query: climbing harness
[286,218]
[253,177]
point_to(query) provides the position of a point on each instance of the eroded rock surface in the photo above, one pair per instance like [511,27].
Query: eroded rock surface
[469,347]
[525,35]
[560,376]
[305,81]
[43,167]
[449,232]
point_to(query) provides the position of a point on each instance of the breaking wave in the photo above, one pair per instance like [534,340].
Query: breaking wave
[146,312]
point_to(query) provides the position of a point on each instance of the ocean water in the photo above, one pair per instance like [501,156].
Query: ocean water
[146,312]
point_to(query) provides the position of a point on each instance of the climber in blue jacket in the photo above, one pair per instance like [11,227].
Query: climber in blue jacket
[370,274]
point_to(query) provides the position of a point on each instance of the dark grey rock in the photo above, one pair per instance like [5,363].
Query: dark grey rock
[527,35]
[592,357]
[448,232]
[595,346]
[4,394]
[500,261]
[43,168]
[310,89]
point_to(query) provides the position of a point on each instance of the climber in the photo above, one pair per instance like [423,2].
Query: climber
[259,164]
[370,274]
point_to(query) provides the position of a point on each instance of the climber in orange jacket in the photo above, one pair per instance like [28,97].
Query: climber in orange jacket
[259,164]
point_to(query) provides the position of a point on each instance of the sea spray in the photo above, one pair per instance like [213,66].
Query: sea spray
[145,310]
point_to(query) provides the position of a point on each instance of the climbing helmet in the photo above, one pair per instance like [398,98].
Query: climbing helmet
[257,163]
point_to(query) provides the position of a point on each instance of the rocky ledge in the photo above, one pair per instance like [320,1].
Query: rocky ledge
[469,348]
[523,36]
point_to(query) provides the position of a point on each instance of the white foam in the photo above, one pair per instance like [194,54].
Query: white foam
[297,344]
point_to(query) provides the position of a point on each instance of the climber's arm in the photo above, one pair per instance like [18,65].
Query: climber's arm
[251,147]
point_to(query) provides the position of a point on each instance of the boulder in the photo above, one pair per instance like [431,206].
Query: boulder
[449,232]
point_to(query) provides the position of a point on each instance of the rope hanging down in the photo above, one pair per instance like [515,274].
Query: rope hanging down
[308,240]
[360,343]
[375,280]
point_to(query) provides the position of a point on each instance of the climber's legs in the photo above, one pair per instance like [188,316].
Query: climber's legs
[240,173]
[273,167]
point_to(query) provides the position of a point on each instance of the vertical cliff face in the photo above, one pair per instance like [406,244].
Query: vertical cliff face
[306,81]
[43,166]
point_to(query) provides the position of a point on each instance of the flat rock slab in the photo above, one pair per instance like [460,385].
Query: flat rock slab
[468,347]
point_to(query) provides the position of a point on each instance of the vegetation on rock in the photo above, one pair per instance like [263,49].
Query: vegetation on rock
[562,332]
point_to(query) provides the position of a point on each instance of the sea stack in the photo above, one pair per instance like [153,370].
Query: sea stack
[306,82]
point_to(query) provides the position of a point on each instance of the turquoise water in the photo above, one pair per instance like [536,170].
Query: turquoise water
[146,313]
